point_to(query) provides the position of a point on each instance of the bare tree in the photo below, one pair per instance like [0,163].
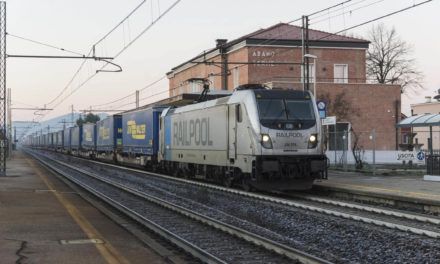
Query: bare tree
[388,59]
[343,109]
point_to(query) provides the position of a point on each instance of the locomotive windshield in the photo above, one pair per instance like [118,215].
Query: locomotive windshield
[285,109]
[286,113]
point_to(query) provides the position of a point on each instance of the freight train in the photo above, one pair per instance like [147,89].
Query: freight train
[255,138]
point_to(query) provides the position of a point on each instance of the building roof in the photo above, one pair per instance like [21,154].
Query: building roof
[425,103]
[291,32]
[424,120]
[287,35]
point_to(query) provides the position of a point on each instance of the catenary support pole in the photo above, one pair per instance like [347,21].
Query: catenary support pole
[335,142]
[3,98]
[374,151]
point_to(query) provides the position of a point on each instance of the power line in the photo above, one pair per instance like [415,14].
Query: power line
[328,8]
[375,19]
[135,39]
[125,97]
[106,63]
[350,11]
[120,23]
[342,8]
[364,23]
[44,44]
[266,42]
[89,53]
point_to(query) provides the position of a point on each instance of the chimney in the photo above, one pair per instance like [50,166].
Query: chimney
[220,42]
[428,99]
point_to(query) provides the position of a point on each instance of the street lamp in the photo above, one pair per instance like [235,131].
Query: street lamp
[315,58]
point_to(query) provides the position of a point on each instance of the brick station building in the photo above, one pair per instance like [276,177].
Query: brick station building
[273,57]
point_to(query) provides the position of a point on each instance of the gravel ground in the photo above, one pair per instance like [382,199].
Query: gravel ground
[218,243]
[332,238]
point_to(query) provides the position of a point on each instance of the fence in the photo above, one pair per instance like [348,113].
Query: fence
[379,150]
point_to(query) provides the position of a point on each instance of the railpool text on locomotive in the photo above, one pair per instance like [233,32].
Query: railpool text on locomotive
[194,131]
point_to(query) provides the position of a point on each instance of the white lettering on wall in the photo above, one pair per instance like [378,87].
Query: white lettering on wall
[262,58]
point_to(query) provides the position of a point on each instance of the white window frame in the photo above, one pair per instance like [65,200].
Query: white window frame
[193,86]
[211,81]
[344,78]
[236,77]
[311,73]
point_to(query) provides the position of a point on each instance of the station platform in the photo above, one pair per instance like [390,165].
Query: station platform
[408,188]
[42,220]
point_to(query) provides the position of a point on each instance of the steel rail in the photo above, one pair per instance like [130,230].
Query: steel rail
[292,253]
[268,244]
[295,204]
[177,240]
[419,218]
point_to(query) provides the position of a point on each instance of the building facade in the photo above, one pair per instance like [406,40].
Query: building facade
[422,133]
[273,57]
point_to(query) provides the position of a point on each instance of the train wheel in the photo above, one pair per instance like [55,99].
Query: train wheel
[245,183]
[246,186]
[227,181]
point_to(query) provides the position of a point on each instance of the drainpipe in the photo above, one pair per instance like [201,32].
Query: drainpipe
[396,117]
[224,60]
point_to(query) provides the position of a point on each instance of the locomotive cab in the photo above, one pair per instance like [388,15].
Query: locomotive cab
[291,139]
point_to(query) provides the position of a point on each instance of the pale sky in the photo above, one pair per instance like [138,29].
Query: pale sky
[188,29]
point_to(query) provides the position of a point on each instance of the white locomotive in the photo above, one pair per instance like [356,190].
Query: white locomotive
[258,138]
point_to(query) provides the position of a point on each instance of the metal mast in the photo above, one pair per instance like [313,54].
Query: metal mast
[3,110]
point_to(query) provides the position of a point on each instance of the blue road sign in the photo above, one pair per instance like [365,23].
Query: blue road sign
[322,109]
[420,156]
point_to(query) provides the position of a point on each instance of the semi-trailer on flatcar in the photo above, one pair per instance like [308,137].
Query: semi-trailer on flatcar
[109,137]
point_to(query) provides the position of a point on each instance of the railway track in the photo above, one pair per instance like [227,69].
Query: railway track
[410,222]
[384,217]
[208,239]
[333,230]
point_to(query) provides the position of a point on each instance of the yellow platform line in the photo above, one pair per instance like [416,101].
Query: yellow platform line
[110,253]
[383,189]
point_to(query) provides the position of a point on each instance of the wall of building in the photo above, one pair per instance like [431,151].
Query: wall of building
[240,55]
[354,58]
[178,83]
[373,107]
[269,71]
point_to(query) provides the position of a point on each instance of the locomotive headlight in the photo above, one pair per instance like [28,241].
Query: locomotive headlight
[265,141]
[313,141]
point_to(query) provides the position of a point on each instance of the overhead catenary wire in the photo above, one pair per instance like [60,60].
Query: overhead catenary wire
[276,37]
[91,51]
[56,102]
[45,44]
[361,24]
[117,54]
[122,21]
[267,42]
[339,9]
[127,96]
[125,48]
[376,19]
[345,12]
